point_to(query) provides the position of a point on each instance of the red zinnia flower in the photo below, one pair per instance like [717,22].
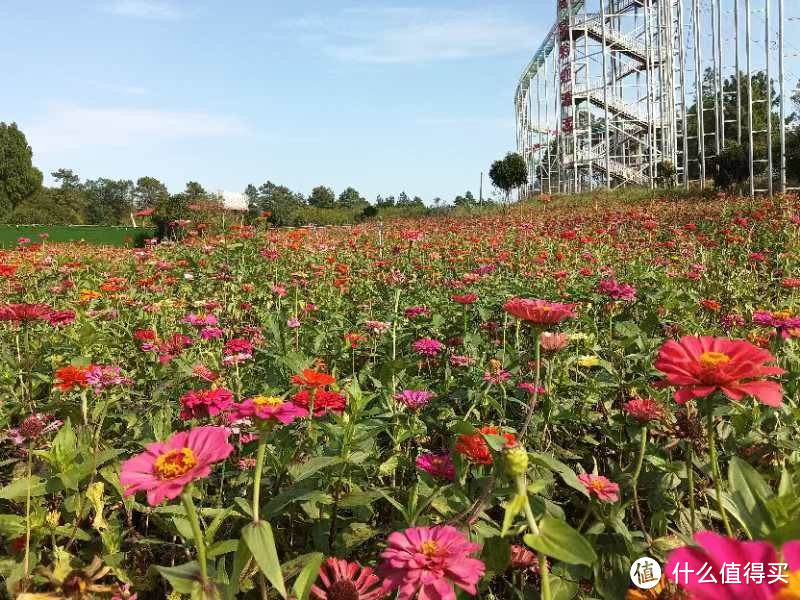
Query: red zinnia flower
[69,377]
[699,366]
[475,448]
[540,312]
[643,410]
[324,401]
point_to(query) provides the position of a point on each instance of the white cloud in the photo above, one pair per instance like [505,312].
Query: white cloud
[69,128]
[415,35]
[144,9]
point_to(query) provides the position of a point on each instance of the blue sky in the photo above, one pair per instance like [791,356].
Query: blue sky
[383,96]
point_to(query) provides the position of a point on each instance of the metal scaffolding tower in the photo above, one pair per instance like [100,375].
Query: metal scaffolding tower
[650,92]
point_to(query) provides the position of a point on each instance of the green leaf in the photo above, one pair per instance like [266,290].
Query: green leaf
[749,494]
[182,578]
[307,469]
[513,508]
[302,585]
[18,489]
[560,541]
[261,542]
[496,553]
[567,475]
[240,560]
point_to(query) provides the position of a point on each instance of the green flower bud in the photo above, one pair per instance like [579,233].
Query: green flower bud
[516,461]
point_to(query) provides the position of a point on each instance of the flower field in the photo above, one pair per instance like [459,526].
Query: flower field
[509,405]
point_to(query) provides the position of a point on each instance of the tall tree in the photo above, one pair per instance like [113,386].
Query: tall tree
[195,193]
[148,192]
[19,179]
[509,173]
[349,198]
[66,178]
[322,197]
[109,202]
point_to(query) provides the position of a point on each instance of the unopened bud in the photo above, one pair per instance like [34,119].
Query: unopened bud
[516,461]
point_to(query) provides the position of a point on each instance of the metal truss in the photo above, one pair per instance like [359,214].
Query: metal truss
[650,92]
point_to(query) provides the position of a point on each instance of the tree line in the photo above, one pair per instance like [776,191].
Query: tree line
[24,199]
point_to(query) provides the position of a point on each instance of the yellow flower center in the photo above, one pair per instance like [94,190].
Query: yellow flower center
[267,401]
[429,548]
[711,360]
[782,314]
[597,485]
[174,463]
[792,589]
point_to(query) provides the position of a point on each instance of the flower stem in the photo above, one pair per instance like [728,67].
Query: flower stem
[28,512]
[199,542]
[712,450]
[634,483]
[260,453]
[690,476]
[543,573]
[535,395]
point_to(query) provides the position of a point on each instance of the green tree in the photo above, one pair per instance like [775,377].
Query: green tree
[322,197]
[732,166]
[277,200]
[349,198]
[403,199]
[66,178]
[509,173]
[149,192]
[195,193]
[109,202]
[19,179]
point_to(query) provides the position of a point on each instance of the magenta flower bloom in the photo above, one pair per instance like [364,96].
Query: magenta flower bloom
[205,403]
[616,290]
[414,399]
[601,487]
[437,465]
[211,333]
[165,468]
[689,565]
[237,350]
[427,346]
[269,408]
[104,376]
[200,320]
[430,561]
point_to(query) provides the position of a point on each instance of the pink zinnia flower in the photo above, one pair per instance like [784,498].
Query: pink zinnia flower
[437,465]
[211,333]
[165,468]
[616,290]
[539,312]
[103,376]
[344,580]
[205,403]
[687,566]
[416,311]
[237,350]
[643,410]
[61,317]
[465,298]
[699,366]
[601,487]
[553,342]
[414,399]
[200,320]
[427,346]
[269,408]
[430,561]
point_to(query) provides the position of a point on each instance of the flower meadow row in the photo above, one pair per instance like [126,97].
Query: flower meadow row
[506,406]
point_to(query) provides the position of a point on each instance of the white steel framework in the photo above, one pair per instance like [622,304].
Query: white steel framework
[650,92]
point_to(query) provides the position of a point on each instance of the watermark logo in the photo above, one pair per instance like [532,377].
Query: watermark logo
[645,573]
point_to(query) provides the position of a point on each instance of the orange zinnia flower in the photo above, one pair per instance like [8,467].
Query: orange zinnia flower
[311,378]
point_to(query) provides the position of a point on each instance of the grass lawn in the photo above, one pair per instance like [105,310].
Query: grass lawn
[92,234]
